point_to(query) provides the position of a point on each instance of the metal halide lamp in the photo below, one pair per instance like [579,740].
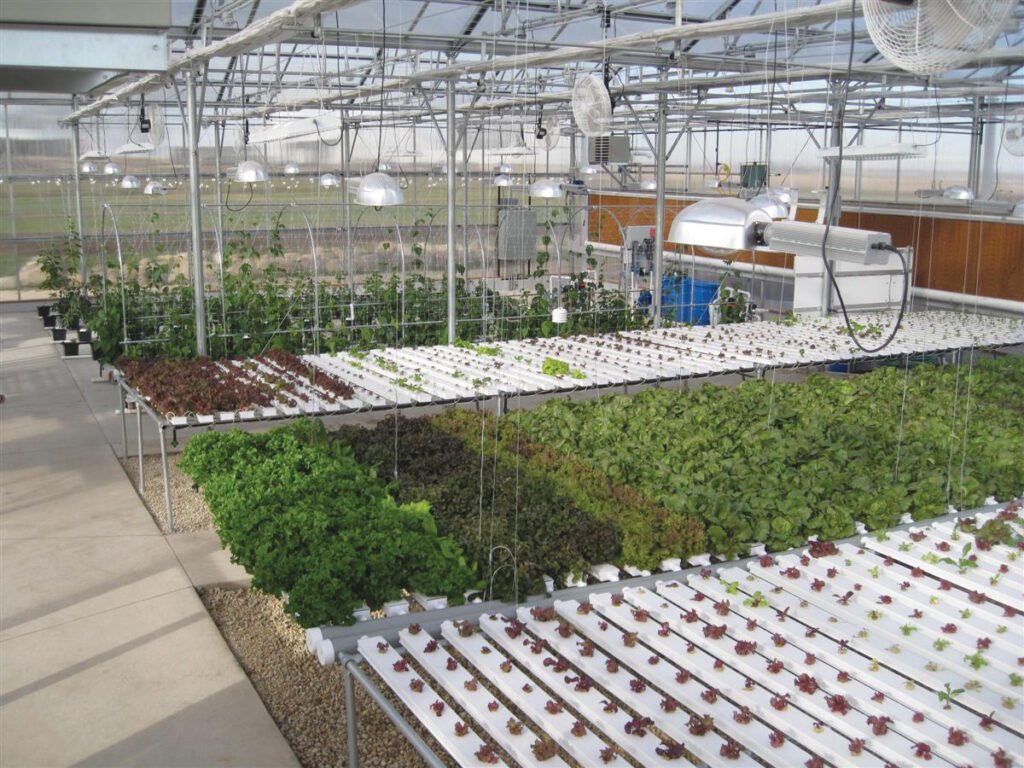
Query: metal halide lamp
[729,224]
[379,190]
[292,169]
[505,168]
[130,182]
[87,167]
[958,192]
[329,181]
[548,189]
[251,172]
[721,226]
[771,204]
[154,188]
[112,169]
[501,180]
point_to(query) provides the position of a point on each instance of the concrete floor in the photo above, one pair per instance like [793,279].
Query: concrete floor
[107,655]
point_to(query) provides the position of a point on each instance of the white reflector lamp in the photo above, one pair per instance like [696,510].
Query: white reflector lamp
[251,172]
[329,181]
[292,169]
[155,188]
[112,169]
[130,182]
[379,190]
[548,189]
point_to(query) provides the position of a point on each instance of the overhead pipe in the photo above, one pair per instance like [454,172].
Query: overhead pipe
[829,12]
[266,31]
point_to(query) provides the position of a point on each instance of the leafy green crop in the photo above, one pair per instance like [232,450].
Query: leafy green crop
[303,517]
[490,506]
[777,464]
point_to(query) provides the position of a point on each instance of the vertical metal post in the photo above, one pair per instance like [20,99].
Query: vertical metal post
[10,196]
[899,165]
[859,173]
[465,193]
[218,134]
[75,151]
[689,156]
[346,156]
[138,426]
[167,487]
[974,162]
[124,422]
[351,733]
[450,148]
[198,287]
[659,220]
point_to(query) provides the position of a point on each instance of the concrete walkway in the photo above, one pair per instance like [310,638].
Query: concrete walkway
[107,656]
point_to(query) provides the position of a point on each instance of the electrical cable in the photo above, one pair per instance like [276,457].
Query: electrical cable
[839,115]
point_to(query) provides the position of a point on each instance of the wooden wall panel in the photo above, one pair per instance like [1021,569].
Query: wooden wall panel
[983,258]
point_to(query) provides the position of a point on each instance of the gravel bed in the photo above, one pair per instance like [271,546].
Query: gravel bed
[190,511]
[307,701]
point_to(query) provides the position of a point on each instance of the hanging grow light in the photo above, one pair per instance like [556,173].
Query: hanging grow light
[112,169]
[292,169]
[251,172]
[130,182]
[546,188]
[329,181]
[88,167]
[379,190]
[155,188]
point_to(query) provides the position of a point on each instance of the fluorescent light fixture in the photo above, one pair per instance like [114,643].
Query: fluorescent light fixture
[546,188]
[112,169]
[874,152]
[155,188]
[251,172]
[379,190]
[958,192]
[326,126]
[87,167]
[292,169]
[93,154]
[501,180]
[135,148]
[130,182]
[329,181]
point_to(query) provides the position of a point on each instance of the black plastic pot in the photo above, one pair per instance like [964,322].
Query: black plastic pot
[71,348]
[84,335]
[49,321]
[43,309]
[59,334]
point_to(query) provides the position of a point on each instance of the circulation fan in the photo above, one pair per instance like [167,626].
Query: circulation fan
[547,132]
[1013,134]
[927,37]
[592,106]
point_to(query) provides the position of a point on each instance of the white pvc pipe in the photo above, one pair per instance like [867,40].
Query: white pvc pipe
[967,302]
[704,261]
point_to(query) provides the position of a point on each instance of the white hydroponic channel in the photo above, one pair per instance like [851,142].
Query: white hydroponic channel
[794,660]
[404,377]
